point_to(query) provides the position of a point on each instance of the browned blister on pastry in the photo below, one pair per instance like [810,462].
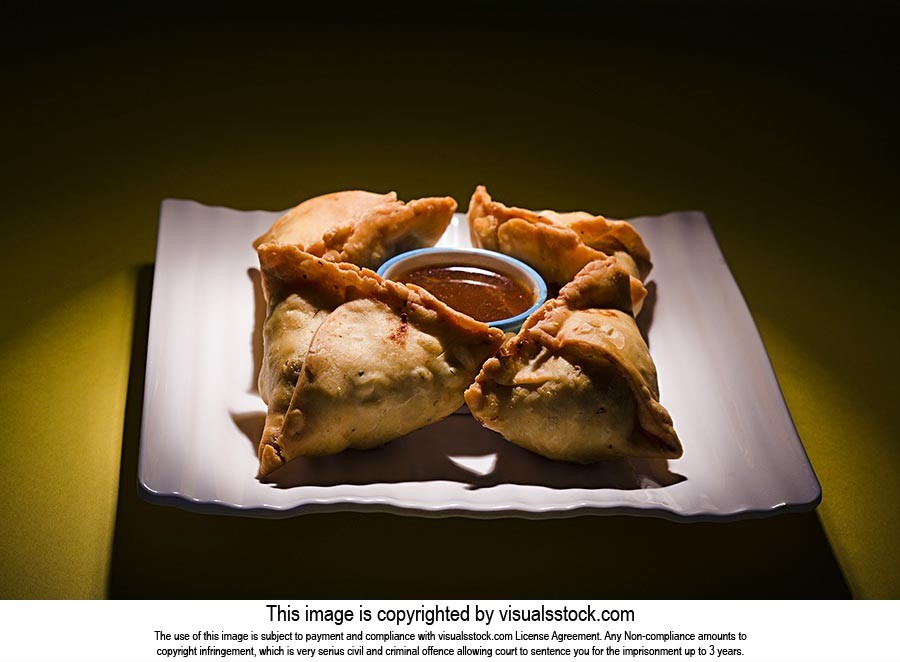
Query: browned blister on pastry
[577,382]
[361,227]
[557,245]
[353,361]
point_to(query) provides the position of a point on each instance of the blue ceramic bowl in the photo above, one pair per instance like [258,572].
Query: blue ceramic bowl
[473,257]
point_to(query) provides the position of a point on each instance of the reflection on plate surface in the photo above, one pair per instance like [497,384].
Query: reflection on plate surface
[203,415]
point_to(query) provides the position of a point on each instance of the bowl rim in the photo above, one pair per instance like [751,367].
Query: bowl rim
[505,323]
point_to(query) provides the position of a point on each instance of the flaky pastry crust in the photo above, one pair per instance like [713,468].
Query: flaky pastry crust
[557,244]
[577,382]
[361,227]
[352,360]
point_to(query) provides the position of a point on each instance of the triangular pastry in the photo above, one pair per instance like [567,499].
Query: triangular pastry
[557,245]
[577,382]
[352,360]
[361,227]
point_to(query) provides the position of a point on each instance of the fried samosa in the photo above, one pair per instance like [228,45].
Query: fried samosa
[558,245]
[577,382]
[361,227]
[352,360]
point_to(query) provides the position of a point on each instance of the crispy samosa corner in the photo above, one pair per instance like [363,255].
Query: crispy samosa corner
[557,245]
[361,227]
[355,361]
[577,382]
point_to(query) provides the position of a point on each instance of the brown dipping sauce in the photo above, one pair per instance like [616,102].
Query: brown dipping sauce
[485,295]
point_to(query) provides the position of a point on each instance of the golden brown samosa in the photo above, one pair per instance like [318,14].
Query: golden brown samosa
[301,290]
[352,360]
[361,227]
[557,245]
[577,382]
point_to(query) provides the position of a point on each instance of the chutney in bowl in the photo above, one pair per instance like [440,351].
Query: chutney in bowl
[488,286]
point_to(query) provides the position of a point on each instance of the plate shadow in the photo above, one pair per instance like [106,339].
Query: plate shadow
[439,452]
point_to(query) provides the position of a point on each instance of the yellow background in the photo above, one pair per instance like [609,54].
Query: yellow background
[779,126]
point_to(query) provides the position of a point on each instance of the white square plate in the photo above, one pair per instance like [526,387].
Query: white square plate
[203,414]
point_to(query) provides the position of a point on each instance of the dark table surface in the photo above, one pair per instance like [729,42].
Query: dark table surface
[779,122]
